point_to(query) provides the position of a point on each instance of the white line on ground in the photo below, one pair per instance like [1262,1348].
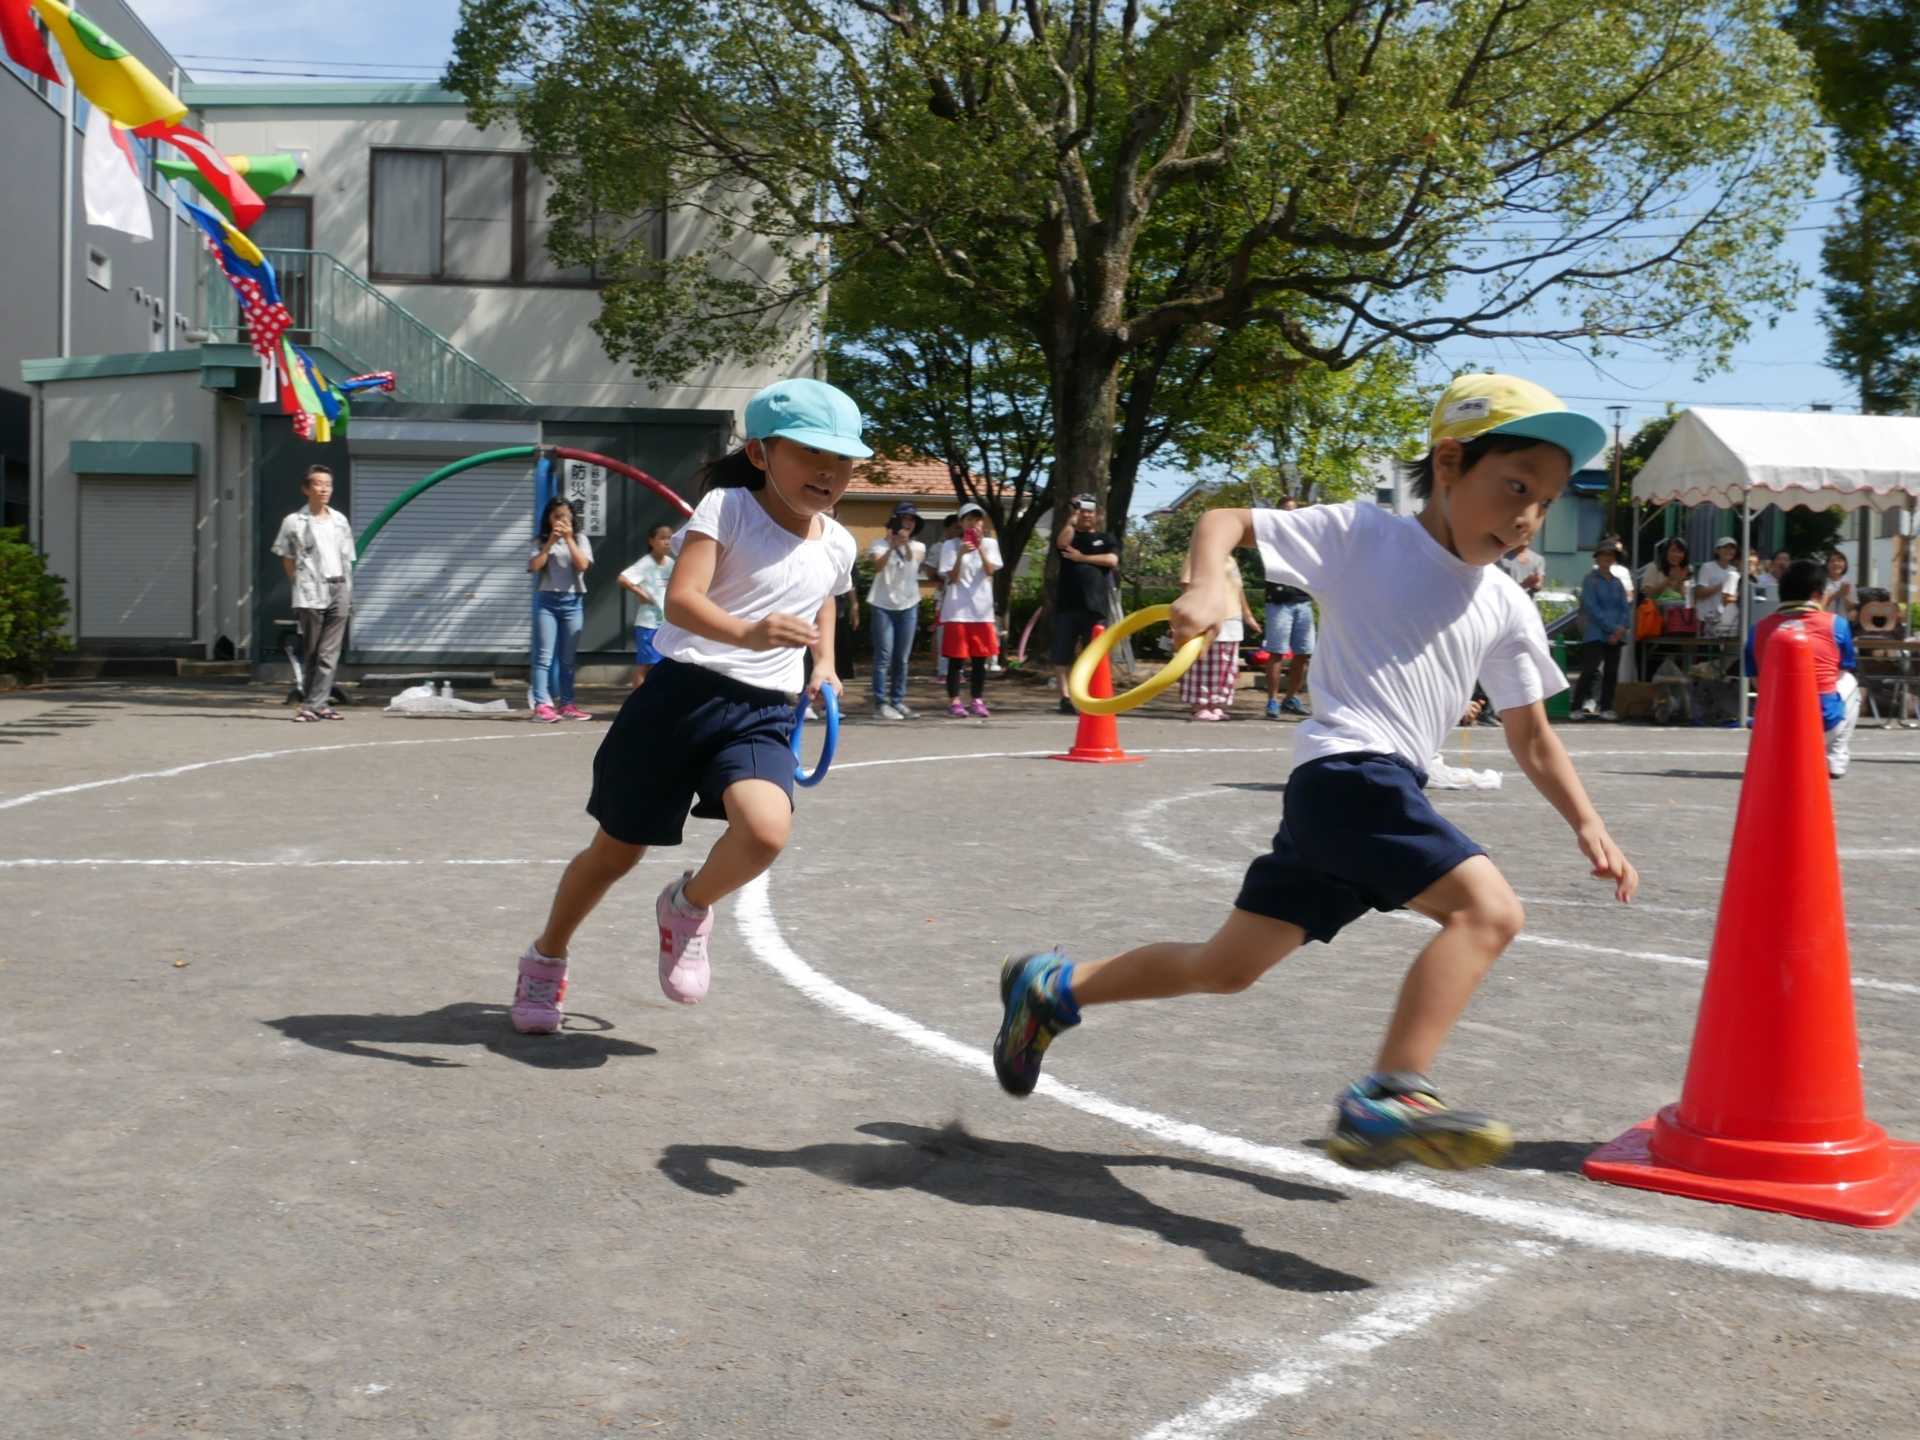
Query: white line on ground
[1822,1269]
[1153,809]
[1862,982]
[1400,1314]
[37,795]
[218,864]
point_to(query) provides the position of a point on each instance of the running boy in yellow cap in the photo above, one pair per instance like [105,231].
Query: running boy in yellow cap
[1413,610]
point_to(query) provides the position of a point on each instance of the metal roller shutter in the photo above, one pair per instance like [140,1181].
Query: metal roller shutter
[447,577]
[136,558]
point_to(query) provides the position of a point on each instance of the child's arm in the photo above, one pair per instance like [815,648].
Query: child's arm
[1544,758]
[822,646]
[1207,601]
[690,609]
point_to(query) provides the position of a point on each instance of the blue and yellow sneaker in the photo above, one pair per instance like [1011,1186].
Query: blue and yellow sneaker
[1385,1119]
[1035,1013]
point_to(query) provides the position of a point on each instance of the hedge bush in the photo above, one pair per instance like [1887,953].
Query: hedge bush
[33,608]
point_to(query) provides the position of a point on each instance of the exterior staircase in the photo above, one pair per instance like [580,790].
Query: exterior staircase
[336,312]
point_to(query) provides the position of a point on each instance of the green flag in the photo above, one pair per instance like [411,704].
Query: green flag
[266,173]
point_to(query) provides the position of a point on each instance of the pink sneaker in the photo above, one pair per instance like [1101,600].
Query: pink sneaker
[684,973]
[957,710]
[979,708]
[536,999]
[571,711]
[545,715]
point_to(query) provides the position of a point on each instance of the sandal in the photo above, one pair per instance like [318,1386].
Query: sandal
[305,715]
[331,714]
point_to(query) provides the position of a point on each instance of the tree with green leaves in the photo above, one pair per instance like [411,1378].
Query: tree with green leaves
[1138,189]
[1866,59]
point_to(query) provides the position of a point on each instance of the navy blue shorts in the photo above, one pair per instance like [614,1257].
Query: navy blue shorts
[684,735]
[1359,834]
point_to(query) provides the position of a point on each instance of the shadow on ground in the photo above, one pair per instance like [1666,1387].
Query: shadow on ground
[579,1046]
[953,1165]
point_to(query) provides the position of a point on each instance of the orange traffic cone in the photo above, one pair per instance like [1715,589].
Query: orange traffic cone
[1097,740]
[1771,1115]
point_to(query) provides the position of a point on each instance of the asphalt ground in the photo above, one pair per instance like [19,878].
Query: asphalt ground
[277,1164]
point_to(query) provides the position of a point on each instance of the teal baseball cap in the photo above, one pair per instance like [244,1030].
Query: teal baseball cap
[808,412]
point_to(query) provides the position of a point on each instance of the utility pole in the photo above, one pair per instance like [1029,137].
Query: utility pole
[1613,502]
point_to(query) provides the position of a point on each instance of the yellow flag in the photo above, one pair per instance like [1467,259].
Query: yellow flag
[106,74]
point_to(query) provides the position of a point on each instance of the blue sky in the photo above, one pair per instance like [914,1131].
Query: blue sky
[1779,366]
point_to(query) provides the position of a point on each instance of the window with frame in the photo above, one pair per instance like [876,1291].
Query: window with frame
[469,217]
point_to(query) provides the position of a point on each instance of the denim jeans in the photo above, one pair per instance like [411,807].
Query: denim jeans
[892,644]
[557,617]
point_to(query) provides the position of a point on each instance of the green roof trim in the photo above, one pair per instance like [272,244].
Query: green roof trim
[134,457]
[143,362]
[217,97]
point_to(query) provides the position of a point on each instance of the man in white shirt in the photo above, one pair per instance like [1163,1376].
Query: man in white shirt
[315,546]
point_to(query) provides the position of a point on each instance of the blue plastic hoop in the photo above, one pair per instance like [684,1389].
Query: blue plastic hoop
[802,775]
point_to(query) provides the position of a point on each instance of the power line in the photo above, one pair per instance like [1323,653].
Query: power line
[309,60]
[421,77]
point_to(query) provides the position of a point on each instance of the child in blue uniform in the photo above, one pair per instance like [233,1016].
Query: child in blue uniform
[1412,611]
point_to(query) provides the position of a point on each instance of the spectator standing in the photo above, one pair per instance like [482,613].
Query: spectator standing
[895,597]
[1089,558]
[949,530]
[966,609]
[315,546]
[1210,682]
[1606,619]
[1716,591]
[1833,657]
[646,579]
[1527,566]
[1837,594]
[1289,633]
[561,558]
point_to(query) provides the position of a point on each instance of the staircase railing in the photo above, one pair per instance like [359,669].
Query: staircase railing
[337,310]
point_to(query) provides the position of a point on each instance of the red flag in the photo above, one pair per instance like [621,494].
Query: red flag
[26,46]
[246,206]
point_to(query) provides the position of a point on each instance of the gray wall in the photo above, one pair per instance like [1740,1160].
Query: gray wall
[113,320]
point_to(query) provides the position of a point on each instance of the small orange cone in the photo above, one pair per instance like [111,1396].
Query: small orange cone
[1097,740]
[1771,1115]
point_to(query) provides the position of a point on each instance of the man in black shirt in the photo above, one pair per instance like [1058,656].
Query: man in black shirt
[1088,559]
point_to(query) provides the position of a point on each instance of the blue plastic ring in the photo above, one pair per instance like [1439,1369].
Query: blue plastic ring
[802,775]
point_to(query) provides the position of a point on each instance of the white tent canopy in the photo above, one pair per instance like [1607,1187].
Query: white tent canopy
[1732,457]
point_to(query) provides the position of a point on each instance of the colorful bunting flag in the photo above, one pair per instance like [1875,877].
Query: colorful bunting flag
[26,46]
[267,174]
[243,205]
[106,74]
[115,198]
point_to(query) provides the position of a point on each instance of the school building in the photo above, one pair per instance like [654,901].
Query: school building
[136,451]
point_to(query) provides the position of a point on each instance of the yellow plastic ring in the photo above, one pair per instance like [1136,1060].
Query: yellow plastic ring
[1081,675]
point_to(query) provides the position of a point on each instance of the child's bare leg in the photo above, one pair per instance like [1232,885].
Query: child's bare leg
[1240,952]
[1479,917]
[759,820]
[583,885]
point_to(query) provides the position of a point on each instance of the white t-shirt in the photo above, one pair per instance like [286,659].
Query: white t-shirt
[1406,627]
[650,575]
[969,596]
[896,575]
[763,569]
[1725,582]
